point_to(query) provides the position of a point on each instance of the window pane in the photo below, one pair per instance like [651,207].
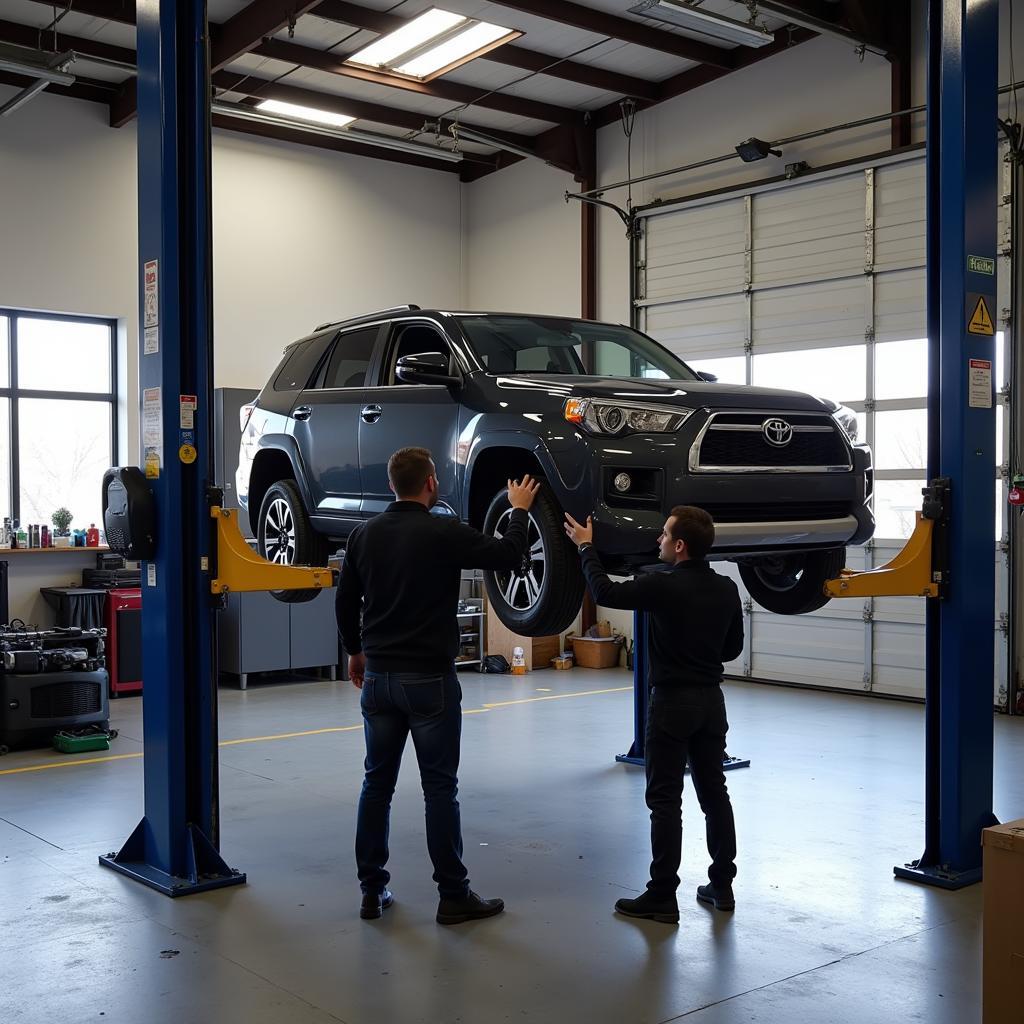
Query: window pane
[351,359]
[5,363]
[836,373]
[59,355]
[5,458]
[901,369]
[897,503]
[731,370]
[901,439]
[62,466]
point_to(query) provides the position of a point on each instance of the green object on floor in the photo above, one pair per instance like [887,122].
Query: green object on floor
[68,744]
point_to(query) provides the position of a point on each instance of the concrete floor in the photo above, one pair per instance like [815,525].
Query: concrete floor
[552,824]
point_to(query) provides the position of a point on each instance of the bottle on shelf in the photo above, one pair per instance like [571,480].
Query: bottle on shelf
[44,540]
[5,533]
[92,537]
[22,537]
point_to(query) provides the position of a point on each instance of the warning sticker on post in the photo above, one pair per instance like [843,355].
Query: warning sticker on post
[150,294]
[979,315]
[979,384]
[187,411]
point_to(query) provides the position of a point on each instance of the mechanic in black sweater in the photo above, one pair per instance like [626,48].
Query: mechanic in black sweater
[396,608]
[695,626]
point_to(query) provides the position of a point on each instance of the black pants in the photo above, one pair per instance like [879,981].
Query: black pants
[687,724]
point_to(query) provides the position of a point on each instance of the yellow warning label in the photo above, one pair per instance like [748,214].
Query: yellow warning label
[187,453]
[152,465]
[981,319]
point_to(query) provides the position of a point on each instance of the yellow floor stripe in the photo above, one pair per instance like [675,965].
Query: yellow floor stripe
[308,732]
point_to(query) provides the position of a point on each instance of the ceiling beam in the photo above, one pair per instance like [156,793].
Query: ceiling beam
[696,77]
[26,35]
[121,11]
[600,22]
[239,34]
[262,88]
[439,88]
[124,104]
[510,54]
[80,89]
[842,21]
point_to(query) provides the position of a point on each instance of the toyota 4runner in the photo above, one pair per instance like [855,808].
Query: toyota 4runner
[613,423]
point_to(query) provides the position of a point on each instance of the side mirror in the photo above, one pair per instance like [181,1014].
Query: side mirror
[709,377]
[426,368]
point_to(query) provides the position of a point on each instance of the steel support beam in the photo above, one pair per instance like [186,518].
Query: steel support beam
[239,34]
[962,196]
[174,849]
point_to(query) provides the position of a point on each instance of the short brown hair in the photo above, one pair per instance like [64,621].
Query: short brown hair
[695,528]
[409,469]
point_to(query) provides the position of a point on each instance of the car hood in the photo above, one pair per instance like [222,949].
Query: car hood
[683,393]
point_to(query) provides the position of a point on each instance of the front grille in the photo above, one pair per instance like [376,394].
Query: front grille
[66,700]
[777,512]
[735,441]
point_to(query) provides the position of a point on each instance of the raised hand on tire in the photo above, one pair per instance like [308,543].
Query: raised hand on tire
[522,492]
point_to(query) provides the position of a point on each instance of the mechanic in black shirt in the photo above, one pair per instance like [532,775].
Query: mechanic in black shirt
[396,608]
[695,625]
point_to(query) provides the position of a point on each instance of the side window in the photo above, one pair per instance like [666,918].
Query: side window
[298,365]
[350,360]
[412,340]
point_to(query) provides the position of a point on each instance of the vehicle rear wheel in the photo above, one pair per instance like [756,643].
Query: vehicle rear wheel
[286,536]
[543,595]
[793,584]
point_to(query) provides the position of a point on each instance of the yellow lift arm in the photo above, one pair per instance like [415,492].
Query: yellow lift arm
[919,570]
[239,568]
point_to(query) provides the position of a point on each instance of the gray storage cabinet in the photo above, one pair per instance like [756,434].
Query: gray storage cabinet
[260,634]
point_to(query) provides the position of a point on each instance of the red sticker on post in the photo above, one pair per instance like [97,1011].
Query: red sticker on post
[979,383]
[187,412]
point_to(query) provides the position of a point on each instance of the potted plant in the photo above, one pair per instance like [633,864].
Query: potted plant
[61,520]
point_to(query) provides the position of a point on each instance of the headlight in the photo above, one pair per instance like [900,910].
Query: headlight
[847,419]
[613,419]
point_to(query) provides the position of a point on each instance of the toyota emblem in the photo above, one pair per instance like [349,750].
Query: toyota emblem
[777,433]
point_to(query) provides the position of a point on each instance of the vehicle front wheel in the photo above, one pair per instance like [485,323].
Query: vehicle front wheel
[542,595]
[793,584]
[286,536]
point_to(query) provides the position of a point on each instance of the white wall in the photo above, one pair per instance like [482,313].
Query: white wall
[522,241]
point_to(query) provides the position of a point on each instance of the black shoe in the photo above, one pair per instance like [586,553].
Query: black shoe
[467,908]
[653,908]
[374,904]
[719,896]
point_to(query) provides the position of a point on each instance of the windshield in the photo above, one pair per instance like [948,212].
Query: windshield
[535,344]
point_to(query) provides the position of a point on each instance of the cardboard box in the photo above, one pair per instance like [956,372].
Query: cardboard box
[1003,943]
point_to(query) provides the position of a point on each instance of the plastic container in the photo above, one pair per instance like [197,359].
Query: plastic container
[92,537]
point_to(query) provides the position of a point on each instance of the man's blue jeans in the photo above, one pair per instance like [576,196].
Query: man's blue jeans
[428,705]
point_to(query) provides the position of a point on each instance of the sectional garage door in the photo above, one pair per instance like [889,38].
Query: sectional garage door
[818,284]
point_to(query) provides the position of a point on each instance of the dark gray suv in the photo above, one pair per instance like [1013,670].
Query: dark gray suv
[611,421]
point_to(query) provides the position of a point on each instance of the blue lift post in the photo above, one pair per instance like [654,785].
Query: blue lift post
[962,164]
[174,849]
[635,754]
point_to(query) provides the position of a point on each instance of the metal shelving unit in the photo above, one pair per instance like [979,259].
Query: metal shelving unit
[472,590]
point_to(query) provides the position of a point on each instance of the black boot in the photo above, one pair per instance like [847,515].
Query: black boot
[719,896]
[651,907]
[467,908]
[374,904]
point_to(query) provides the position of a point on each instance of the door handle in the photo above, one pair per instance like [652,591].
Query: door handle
[303,412]
[371,413]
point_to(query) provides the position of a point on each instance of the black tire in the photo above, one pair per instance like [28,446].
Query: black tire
[793,584]
[286,536]
[546,592]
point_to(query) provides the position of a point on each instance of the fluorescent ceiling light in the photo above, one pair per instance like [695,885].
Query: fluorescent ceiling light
[435,42]
[429,25]
[293,110]
[469,43]
[262,116]
[53,75]
[697,19]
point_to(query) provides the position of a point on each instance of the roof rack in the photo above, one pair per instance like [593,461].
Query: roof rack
[369,316]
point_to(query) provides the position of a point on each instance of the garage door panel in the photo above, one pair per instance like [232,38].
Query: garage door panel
[810,315]
[813,649]
[696,252]
[900,305]
[703,327]
[900,216]
[806,233]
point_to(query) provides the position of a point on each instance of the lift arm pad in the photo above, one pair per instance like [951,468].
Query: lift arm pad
[239,568]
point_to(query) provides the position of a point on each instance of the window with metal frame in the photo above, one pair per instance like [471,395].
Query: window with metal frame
[58,414]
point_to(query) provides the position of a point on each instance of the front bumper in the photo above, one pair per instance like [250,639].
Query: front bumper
[755,513]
